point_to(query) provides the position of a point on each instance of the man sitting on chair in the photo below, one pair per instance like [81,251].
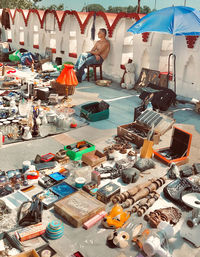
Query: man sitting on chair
[96,56]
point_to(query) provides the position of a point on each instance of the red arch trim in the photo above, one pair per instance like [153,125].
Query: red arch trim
[191,40]
[60,16]
[12,13]
[39,13]
[82,24]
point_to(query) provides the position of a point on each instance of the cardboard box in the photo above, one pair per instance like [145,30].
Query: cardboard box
[78,208]
[106,192]
[30,253]
[179,148]
[31,231]
[134,138]
[93,158]
[197,107]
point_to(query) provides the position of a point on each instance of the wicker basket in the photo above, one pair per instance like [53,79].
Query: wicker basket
[62,89]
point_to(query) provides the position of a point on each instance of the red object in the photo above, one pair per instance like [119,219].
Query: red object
[73,125]
[33,176]
[180,143]
[47,157]
[77,254]
[31,232]
[68,76]
[33,235]
[170,76]
[11,71]
[73,55]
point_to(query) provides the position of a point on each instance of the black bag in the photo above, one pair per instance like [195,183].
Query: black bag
[32,214]
[163,99]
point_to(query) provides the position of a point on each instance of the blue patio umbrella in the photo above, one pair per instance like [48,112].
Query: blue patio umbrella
[175,20]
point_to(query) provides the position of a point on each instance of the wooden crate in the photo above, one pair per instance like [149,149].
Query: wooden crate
[78,208]
[30,253]
[93,158]
[134,138]
[161,123]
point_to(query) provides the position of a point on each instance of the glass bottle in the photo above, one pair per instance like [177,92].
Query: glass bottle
[15,129]
[6,127]
[23,107]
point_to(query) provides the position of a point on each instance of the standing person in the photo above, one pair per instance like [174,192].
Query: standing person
[96,56]
[5,24]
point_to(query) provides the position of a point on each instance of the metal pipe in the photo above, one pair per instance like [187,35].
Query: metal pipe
[174,71]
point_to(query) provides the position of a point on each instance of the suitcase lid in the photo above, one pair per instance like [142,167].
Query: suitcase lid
[181,141]
[160,122]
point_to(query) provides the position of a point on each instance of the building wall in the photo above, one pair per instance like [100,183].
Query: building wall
[68,33]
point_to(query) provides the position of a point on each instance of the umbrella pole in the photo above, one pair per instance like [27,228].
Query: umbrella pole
[174,73]
[174,64]
[174,69]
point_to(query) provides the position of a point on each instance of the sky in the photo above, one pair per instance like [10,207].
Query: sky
[78,4]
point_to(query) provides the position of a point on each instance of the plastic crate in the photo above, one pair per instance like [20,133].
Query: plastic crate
[73,155]
[94,115]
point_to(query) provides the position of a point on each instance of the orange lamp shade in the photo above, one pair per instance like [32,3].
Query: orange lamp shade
[67,76]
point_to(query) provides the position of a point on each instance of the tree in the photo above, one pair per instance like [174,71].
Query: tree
[27,4]
[109,8]
[35,3]
[93,7]
[131,9]
[13,4]
[145,9]
[54,7]
[117,9]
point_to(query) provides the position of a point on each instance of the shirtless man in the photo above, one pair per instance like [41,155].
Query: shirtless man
[96,56]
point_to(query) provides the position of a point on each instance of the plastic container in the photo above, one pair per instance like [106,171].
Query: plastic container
[77,155]
[91,113]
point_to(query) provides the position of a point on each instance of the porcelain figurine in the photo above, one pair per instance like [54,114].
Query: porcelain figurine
[13,108]
[27,133]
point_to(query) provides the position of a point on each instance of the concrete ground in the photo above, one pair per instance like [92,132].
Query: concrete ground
[92,243]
